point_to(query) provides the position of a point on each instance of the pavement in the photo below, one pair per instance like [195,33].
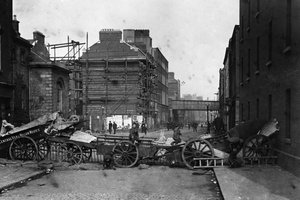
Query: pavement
[257,182]
[15,173]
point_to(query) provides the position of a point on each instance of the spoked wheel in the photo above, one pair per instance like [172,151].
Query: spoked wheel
[196,148]
[70,152]
[126,154]
[23,148]
[43,149]
[257,146]
[86,153]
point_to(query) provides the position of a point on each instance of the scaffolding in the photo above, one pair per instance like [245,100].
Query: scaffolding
[69,54]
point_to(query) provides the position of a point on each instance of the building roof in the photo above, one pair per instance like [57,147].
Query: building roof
[113,50]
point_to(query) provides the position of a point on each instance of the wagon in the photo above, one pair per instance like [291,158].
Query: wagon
[128,154]
[254,138]
[31,141]
[24,144]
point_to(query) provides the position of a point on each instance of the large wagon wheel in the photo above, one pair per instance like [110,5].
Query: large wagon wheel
[43,148]
[197,148]
[257,146]
[86,153]
[23,148]
[126,154]
[70,152]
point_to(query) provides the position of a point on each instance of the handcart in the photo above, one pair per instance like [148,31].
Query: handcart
[127,154]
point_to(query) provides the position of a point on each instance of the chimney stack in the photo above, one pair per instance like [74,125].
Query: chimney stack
[40,37]
[15,24]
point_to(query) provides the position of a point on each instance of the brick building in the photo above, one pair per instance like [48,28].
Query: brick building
[229,82]
[114,80]
[174,87]
[269,71]
[14,82]
[120,79]
[141,39]
[49,81]
[6,70]
[20,58]
[161,106]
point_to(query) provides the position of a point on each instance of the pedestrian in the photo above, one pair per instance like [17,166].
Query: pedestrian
[134,134]
[144,128]
[115,126]
[176,136]
[137,125]
[218,125]
[110,127]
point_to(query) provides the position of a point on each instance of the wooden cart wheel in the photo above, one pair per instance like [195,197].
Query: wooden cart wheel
[86,153]
[23,148]
[257,146]
[43,148]
[197,148]
[126,154]
[70,152]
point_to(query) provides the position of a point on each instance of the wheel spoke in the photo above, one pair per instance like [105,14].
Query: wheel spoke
[204,147]
[117,150]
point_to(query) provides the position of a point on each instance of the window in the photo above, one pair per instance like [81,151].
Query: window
[22,56]
[257,108]
[288,23]
[242,112]
[288,113]
[60,88]
[242,69]
[270,106]
[23,97]
[0,48]
[249,59]
[249,15]
[248,110]
[257,55]
[257,10]
[270,41]
[242,28]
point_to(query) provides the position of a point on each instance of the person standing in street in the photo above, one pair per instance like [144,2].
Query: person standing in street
[144,128]
[109,127]
[134,134]
[115,126]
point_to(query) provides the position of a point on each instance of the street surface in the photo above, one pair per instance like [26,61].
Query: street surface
[155,182]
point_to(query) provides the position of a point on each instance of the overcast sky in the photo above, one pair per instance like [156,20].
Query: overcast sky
[192,34]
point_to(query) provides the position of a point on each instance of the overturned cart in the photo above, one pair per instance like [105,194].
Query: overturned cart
[254,138]
[128,154]
[31,141]
[26,142]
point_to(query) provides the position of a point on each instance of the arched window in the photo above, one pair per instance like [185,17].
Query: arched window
[60,89]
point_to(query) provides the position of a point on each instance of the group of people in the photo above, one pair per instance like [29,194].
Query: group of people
[112,126]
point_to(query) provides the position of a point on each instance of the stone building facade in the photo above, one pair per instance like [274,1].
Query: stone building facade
[269,71]
[49,81]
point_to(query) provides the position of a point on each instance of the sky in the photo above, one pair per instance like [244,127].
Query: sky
[192,34]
